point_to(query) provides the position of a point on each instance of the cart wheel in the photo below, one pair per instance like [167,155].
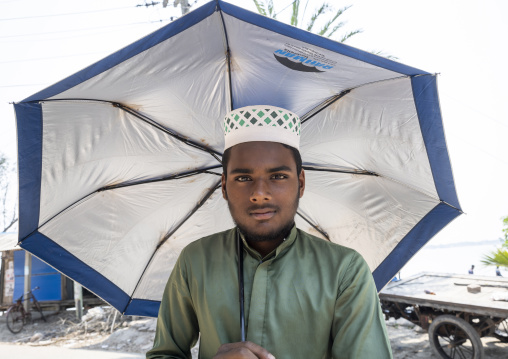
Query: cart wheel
[452,337]
[501,331]
[14,318]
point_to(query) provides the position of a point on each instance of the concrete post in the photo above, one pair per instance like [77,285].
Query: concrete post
[78,300]
[28,278]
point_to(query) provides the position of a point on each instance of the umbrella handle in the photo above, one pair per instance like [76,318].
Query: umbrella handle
[240,283]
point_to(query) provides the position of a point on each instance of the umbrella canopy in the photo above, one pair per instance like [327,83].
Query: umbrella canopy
[119,164]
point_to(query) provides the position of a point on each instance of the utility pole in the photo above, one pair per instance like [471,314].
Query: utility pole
[184,5]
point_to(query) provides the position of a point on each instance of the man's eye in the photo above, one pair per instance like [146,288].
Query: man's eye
[242,178]
[279,176]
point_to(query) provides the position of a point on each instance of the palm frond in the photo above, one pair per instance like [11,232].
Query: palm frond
[332,20]
[335,28]
[496,258]
[305,10]
[294,15]
[349,34]
[320,11]
[271,13]
[505,230]
[261,7]
[381,53]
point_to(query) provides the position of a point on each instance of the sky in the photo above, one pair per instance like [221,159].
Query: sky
[42,42]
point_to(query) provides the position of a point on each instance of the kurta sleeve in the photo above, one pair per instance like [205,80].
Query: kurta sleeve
[177,326]
[358,329]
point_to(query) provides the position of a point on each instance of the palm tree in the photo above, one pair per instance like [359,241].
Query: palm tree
[499,257]
[329,28]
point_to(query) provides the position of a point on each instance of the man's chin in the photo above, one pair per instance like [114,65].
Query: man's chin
[266,236]
[259,237]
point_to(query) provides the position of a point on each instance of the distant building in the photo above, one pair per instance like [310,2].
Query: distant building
[56,290]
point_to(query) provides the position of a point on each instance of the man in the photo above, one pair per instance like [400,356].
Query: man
[304,297]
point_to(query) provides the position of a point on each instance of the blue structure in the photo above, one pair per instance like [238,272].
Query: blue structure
[48,279]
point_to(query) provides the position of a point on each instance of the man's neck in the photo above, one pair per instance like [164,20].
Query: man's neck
[264,247]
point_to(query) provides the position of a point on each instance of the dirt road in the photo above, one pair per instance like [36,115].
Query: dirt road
[52,352]
[63,337]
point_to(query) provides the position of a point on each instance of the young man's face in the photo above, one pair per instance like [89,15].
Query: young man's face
[262,189]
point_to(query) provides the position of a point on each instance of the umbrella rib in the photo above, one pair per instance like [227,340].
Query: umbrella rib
[167,236]
[126,184]
[317,109]
[316,227]
[153,123]
[323,105]
[165,178]
[371,173]
[56,215]
[336,170]
[449,205]
[228,59]
[147,120]
[194,210]
[420,191]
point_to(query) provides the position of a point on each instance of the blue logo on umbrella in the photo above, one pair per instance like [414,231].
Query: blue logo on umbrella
[300,62]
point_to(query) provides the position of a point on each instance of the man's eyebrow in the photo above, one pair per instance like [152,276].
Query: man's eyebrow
[240,170]
[280,169]
[270,170]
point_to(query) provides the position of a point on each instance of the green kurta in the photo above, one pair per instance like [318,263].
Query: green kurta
[308,299]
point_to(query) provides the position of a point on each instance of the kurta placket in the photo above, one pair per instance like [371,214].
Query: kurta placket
[257,303]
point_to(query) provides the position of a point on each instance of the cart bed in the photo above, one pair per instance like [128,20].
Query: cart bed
[450,293]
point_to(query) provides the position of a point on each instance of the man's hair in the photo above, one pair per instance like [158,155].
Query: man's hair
[294,151]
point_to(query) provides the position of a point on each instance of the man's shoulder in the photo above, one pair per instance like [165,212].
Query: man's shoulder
[326,246]
[213,242]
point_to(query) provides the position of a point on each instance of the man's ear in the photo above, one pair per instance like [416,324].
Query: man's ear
[301,181]
[223,186]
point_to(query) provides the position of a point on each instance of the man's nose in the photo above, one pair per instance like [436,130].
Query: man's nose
[260,192]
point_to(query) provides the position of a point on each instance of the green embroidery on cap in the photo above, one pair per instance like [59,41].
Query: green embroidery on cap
[255,116]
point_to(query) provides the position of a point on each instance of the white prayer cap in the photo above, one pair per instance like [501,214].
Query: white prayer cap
[261,123]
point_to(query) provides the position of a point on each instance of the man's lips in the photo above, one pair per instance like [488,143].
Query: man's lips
[263,213]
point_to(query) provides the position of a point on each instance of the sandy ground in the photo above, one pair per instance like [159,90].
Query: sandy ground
[135,335]
[52,352]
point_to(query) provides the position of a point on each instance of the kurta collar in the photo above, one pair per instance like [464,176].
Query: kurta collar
[277,252]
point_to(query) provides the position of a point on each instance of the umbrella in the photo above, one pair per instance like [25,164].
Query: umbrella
[119,164]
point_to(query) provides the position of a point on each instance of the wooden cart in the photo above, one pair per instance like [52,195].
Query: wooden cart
[456,310]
